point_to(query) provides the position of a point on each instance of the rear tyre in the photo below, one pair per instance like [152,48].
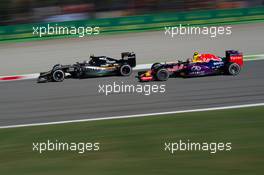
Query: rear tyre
[162,75]
[155,65]
[58,76]
[233,69]
[125,70]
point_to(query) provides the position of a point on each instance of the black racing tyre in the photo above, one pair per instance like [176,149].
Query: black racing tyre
[233,69]
[155,65]
[162,75]
[125,70]
[58,75]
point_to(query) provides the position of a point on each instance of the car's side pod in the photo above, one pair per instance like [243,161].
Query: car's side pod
[129,58]
[234,56]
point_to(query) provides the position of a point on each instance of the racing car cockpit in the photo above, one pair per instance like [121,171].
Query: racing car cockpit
[96,61]
[101,61]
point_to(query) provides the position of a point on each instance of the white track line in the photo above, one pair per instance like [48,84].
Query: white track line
[254,59]
[258,55]
[138,115]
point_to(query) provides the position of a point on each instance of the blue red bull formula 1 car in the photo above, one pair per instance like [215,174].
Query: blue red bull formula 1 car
[231,64]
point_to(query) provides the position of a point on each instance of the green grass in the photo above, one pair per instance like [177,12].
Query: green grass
[136,146]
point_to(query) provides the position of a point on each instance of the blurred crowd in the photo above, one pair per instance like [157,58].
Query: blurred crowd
[29,11]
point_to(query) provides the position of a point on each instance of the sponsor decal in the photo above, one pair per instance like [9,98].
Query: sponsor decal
[196,68]
[95,68]
[218,63]
[236,57]
[208,57]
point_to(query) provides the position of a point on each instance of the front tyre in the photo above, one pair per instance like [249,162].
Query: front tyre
[155,65]
[162,75]
[58,76]
[233,69]
[125,70]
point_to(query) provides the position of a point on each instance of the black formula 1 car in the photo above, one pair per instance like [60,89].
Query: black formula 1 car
[95,67]
[231,64]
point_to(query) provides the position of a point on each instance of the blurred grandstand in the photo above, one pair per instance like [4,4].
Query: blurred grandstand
[30,11]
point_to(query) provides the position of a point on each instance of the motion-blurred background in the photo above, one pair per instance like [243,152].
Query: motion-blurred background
[125,25]
[30,11]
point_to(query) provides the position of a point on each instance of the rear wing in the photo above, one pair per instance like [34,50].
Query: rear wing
[129,58]
[234,56]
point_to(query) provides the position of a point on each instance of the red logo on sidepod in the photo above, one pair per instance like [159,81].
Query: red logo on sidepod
[209,57]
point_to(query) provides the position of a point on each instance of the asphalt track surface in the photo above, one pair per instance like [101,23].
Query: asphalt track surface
[38,56]
[24,102]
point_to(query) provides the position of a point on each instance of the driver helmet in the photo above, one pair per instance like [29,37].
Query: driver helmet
[196,55]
